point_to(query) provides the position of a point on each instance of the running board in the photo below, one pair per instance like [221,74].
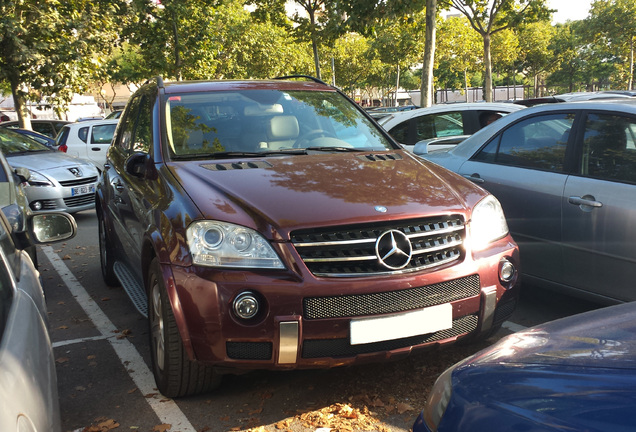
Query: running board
[135,291]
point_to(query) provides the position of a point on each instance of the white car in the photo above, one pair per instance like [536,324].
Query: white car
[442,121]
[87,140]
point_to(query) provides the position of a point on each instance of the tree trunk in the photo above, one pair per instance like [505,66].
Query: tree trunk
[177,56]
[630,85]
[488,74]
[314,43]
[397,86]
[466,84]
[426,91]
[20,105]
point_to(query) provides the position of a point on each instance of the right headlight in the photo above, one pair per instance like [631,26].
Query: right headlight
[488,223]
[38,179]
[222,244]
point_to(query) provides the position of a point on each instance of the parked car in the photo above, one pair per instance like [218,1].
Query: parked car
[444,120]
[28,394]
[573,374]
[42,139]
[57,182]
[380,112]
[88,140]
[48,127]
[565,175]
[273,225]
[115,114]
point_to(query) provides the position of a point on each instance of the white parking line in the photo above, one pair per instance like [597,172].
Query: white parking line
[167,410]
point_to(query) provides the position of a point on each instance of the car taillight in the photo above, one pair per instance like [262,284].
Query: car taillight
[63,148]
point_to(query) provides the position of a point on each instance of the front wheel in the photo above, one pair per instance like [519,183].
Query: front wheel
[175,374]
[106,256]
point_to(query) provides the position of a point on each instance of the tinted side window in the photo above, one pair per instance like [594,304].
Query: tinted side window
[143,132]
[82,133]
[448,124]
[401,133]
[44,129]
[103,134]
[609,148]
[127,125]
[538,142]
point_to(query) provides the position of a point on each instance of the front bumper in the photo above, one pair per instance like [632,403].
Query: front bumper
[70,199]
[306,323]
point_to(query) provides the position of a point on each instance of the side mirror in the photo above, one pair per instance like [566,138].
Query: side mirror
[52,227]
[23,174]
[136,164]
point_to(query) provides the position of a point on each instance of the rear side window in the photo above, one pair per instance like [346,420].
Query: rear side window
[83,134]
[401,133]
[609,148]
[44,129]
[538,142]
[63,136]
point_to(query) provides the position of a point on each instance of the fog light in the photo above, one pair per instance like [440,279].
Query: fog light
[36,205]
[507,271]
[246,305]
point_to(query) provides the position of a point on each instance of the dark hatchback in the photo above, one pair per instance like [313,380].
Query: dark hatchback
[273,225]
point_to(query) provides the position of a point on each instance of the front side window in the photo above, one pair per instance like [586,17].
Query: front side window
[439,125]
[214,123]
[538,142]
[127,124]
[103,134]
[609,148]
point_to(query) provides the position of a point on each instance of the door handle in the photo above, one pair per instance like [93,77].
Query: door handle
[95,148]
[118,186]
[586,202]
[475,178]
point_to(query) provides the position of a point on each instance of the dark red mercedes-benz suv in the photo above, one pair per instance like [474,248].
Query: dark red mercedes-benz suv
[274,225]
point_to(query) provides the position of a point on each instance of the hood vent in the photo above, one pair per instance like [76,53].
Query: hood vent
[236,165]
[380,157]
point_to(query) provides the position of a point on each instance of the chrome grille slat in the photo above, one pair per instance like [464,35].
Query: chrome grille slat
[350,251]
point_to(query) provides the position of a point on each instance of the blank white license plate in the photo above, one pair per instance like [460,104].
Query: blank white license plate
[423,321]
[83,190]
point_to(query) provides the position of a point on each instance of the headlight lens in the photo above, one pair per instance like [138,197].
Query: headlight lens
[488,223]
[221,244]
[438,399]
[38,179]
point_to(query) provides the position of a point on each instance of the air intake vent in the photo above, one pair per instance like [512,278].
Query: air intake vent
[380,157]
[236,165]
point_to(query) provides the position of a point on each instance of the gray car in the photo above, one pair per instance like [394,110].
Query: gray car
[57,182]
[565,175]
[28,383]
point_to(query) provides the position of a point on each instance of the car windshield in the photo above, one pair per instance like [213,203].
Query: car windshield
[12,143]
[267,122]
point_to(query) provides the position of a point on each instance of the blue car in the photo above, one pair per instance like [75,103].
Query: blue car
[573,374]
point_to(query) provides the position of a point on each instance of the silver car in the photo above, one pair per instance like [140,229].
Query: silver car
[565,175]
[58,182]
[28,383]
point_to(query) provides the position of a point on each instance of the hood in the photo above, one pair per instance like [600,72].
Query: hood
[603,338]
[44,162]
[292,192]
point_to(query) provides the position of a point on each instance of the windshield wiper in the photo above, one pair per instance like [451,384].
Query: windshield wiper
[336,149]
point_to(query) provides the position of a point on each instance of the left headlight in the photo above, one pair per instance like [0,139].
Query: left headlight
[38,179]
[222,244]
[488,223]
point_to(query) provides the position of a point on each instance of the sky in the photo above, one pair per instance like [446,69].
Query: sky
[569,10]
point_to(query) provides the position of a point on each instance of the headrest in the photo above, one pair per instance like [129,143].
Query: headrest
[283,128]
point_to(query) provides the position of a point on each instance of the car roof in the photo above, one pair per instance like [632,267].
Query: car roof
[466,148]
[226,85]
[401,116]
[92,122]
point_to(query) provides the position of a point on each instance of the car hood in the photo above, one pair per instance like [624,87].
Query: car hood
[292,192]
[44,162]
[603,338]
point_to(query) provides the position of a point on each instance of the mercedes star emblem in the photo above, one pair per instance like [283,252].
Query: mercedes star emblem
[393,249]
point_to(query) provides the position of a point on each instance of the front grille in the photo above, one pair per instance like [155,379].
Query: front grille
[78,182]
[342,348]
[391,301]
[48,204]
[80,200]
[351,251]
[249,350]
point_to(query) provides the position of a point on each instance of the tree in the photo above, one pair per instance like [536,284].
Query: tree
[567,48]
[54,48]
[614,23]
[428,62]
[488,17]
[536,57]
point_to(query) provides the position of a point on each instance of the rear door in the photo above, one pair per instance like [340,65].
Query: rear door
[599,209]
[98,141]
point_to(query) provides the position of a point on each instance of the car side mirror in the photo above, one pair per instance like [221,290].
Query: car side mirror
[52,227]
[23,174]
[421,147]
[136,164]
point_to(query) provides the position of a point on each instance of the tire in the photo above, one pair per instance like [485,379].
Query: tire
[106,255]
[175,374]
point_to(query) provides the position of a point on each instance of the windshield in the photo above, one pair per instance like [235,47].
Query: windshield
[12,143]
[258,122]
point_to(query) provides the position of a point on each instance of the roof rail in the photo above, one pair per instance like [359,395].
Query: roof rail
[309,77]
[158,79]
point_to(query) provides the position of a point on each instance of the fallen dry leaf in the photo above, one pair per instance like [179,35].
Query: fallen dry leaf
[61,359]
[161,428]
[403,407]
[66,257]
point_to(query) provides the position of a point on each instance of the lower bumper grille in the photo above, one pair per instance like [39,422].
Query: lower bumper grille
[341,347]
[80,200]
[249,350]
[391,301]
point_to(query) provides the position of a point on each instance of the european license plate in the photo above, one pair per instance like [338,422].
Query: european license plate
[83,190]
[397,326]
